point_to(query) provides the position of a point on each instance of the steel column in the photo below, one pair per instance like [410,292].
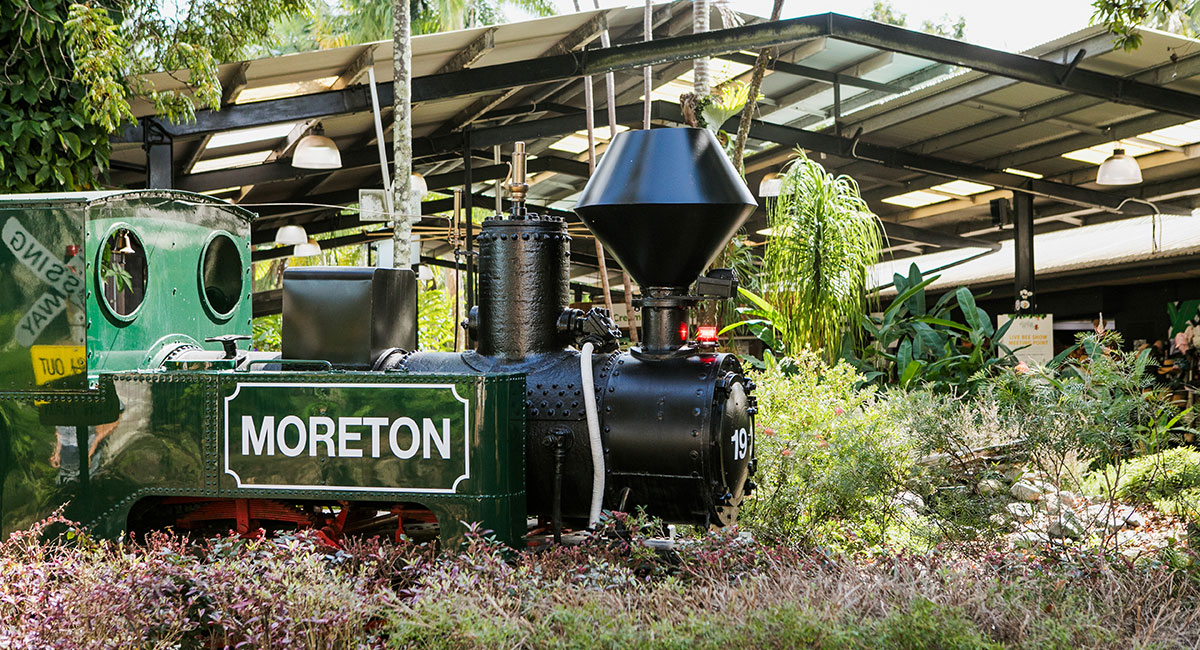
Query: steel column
[159,159]
[468,205]
[1026,300]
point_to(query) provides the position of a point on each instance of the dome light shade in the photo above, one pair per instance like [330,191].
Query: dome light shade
[770,185]
[1119,169]
[315,151]
[307,249]
[419,187]
[291,235]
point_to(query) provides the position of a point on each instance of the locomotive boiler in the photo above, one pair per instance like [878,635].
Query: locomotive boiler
[126,392]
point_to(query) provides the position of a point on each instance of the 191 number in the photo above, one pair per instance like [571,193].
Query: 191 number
[741,443]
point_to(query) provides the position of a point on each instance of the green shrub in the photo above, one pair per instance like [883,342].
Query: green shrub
[1154,477]
[828,462]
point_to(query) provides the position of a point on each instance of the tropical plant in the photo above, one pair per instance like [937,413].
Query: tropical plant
[824,241]
[913,343]
[348,22]
[116,44]
[48,140]
[764,322]
[1122,18]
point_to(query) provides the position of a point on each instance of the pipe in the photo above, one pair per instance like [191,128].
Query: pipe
[383,160]
[594,441]
[560,457]
[648,35]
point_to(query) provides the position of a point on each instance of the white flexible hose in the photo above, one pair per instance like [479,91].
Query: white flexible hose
[593,423]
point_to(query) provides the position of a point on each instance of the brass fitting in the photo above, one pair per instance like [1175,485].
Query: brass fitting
[517,187]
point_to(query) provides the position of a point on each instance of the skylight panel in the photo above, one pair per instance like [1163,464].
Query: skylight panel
[962,188]
[230,162]
[916,199]
[279,91]
[1178,135]
[256,134]
[577,142]
[223,190]
[1099,153]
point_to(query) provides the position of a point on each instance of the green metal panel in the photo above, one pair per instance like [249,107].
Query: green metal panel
[54,328]
[41,307]
[155,434]
[350,436]
[175,230]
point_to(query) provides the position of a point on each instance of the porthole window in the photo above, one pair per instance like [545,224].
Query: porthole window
[221,275]
[121,272]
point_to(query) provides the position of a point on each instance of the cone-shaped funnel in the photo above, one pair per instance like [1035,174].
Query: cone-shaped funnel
[664,202]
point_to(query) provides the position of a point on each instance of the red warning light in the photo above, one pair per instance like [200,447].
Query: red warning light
[683,331]
[707,333]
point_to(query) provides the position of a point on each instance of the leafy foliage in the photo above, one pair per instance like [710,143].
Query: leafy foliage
[1122,18]
[48,139]
[117,45]
[1155,477]
[884,11]
[348,22]
[913,343]
[828,462]
[825,240]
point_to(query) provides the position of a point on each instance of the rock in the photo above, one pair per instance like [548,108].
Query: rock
[1051,504]
[1066,524]
[1019,511]
[1134,519]
[1027,538]
[910,500]
[1069,499]
[934,460]
[989,486]
[1013,474]
[1025,491]
[1119,517]
[1040,483]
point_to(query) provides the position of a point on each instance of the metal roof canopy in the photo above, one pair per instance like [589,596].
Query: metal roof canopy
[898,110]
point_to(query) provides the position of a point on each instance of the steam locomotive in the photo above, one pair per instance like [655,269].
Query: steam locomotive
[128,398]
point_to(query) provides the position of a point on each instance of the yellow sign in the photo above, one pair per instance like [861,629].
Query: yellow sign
[52,362]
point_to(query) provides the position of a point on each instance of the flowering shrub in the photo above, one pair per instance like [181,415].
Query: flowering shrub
[828,462]
[166,593]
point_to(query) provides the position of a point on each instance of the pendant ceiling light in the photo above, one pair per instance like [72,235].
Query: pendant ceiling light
[1119,169]
[770,186]
[291,235]
[315,151]
[307,249]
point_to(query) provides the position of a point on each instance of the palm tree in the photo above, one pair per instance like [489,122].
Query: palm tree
[824,241]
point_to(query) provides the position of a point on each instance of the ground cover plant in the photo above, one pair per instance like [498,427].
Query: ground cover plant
[715,590]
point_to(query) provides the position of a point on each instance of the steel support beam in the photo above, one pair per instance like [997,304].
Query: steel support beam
[816,74]
[900,159]
[934,238]
[1064,76]
[471,81]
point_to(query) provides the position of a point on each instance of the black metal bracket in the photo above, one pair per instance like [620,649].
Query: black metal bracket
[1066,74]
